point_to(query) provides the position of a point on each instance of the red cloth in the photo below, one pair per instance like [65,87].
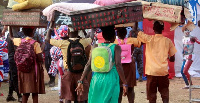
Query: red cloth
[148,29]
[100,38]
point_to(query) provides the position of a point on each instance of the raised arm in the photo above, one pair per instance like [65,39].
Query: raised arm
[197,40]
[10,33]
[48,36]
[5,28]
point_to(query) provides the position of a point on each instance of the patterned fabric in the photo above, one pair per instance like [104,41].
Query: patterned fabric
[1,70]
[4,56]
[3,45]
[188,45]
[56,54]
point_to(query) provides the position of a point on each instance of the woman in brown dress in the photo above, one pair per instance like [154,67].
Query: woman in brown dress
[33,81]
[129,68]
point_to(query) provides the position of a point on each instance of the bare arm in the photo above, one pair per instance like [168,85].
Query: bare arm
[118,64]
[49,32]
[197,41]
[87,69]
[42,46]
[5,28]
[10,33]
[172,58]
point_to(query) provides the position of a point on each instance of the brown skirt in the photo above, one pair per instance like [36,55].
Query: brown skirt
[130,73]
[29,84]
[69,84]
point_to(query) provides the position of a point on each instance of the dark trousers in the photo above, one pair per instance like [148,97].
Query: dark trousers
[157,82]
[13,82]
[47,66]
[138,56]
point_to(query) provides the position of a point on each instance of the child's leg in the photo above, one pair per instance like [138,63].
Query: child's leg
[184,77]
[186,68]
[59,86]
[25,97]
[35,97]
[120,95]
[131,95]
[67,101]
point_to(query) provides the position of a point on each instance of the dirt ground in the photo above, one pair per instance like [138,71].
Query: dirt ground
[177,95]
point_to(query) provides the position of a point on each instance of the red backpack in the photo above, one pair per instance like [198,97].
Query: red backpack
[25,55]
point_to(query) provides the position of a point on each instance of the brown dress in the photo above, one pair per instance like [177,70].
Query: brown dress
[30,82]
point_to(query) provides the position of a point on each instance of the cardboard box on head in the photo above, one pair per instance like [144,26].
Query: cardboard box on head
[190,26]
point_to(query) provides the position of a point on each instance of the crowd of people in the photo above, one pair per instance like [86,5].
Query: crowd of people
[89,72]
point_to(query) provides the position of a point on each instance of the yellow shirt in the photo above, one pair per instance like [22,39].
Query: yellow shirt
[37,48]
[133,41]
[158,48]
[63,45]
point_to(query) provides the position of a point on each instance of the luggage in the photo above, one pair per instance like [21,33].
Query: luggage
[31,17]
[102,16]
[163,12]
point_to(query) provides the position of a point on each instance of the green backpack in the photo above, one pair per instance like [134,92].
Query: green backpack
[102,58]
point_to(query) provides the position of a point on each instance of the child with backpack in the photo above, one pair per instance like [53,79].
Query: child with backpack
[128,63]
[74,60]
[105,62]
[56,66]
[28,58]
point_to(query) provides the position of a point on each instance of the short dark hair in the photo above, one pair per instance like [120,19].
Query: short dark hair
[158,27]
[121,32]
[108,32]
[28,31]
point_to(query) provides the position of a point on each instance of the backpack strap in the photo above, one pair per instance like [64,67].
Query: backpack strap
[100,44]
[32,41]
[119,41]
[23,40]
[110,45]
[76,41]
[125,41]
